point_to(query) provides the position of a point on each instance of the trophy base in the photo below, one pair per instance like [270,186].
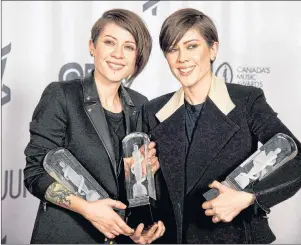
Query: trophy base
[141,211]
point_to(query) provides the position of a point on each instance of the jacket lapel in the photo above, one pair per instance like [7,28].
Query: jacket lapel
[171,145]
[95,113]
[212,132]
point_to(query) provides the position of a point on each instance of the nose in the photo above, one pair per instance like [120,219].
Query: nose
[182,57]
[118,52]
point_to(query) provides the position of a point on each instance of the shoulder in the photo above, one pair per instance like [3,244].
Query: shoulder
[137,98]
[154,105]
[60,87]
[243,94]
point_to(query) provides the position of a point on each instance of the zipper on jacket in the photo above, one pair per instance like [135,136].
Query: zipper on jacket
[44,206]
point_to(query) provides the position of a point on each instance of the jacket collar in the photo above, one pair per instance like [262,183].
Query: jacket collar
[91,95]
[218,93]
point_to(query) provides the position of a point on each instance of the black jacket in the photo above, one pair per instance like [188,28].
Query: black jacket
[233,120]
[70,115]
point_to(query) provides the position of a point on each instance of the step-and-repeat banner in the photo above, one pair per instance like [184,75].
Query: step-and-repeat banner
[260,45]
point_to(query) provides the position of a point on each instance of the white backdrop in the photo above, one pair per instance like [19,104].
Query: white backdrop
[47,41]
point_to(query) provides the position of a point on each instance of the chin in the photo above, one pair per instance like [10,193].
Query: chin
[188,83]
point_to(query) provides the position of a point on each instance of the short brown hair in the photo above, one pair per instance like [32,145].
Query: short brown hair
[134,25]
[178,23]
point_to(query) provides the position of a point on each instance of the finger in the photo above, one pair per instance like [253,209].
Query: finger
[109,235]
[215,219]
[151,153]
[116,228]
[124,227]
[158,232]
[217,185]
[152,230]
[162,233]
[209,212]
[114,232]
[115,203]
[138,232]
[207,205]
[151,145]
[155,167]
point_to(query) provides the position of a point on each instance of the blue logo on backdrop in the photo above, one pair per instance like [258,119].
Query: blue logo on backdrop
[5,98]
[150,4]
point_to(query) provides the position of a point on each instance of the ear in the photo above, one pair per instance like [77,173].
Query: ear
[91,47]
[214,51]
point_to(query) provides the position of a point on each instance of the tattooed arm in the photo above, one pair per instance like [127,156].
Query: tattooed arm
[61,196]
[100,213]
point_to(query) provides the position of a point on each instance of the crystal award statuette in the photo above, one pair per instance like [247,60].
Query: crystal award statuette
[267,159]
[67,170]
[140,184]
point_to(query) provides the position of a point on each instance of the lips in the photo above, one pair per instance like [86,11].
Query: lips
[185,71]
[115,66]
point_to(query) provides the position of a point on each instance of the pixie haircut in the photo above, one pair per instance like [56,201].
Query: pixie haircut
[134,25]
[178,23]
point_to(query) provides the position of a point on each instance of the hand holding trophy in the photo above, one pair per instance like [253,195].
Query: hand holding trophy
[268,158]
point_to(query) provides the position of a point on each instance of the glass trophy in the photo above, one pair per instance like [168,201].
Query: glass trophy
[268,158]
[139,180]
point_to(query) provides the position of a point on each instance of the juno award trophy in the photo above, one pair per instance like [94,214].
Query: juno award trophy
[66,170]
[268,158]
[140,184]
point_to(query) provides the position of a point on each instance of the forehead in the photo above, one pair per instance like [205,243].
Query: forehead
[116,31]
[192,34]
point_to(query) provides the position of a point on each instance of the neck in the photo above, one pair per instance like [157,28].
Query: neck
[197,93]
[108,94]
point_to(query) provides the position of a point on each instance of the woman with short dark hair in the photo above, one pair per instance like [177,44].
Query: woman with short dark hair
[203,132]
[90,117]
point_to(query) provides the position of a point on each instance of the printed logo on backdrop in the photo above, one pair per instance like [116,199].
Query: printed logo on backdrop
[74,70]
[3,240]
[245,75]
[150,5]
[12,185]
[5,97]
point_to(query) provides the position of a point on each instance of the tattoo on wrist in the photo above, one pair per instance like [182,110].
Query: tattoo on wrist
[56,193]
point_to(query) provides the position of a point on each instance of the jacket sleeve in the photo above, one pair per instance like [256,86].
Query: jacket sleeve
[47,131]
[286,181]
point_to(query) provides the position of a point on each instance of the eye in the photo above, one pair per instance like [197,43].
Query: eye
[130,47]
[172,50]
[109,42]
[192,46]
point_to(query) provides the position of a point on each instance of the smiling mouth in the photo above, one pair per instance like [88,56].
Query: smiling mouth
[114,66]
[186,71]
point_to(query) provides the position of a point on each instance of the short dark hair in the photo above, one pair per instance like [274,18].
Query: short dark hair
[134,25]
[178,23]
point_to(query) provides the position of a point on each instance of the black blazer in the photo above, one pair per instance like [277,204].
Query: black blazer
[70,115]
[233,120]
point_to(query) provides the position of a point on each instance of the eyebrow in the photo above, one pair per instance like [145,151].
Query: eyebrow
[116,39]
[191,40]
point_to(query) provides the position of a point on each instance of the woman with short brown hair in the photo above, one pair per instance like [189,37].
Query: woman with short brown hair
[203,132]
[90,117]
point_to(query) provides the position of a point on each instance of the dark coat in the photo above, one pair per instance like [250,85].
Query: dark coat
[233,120]
[70,115]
